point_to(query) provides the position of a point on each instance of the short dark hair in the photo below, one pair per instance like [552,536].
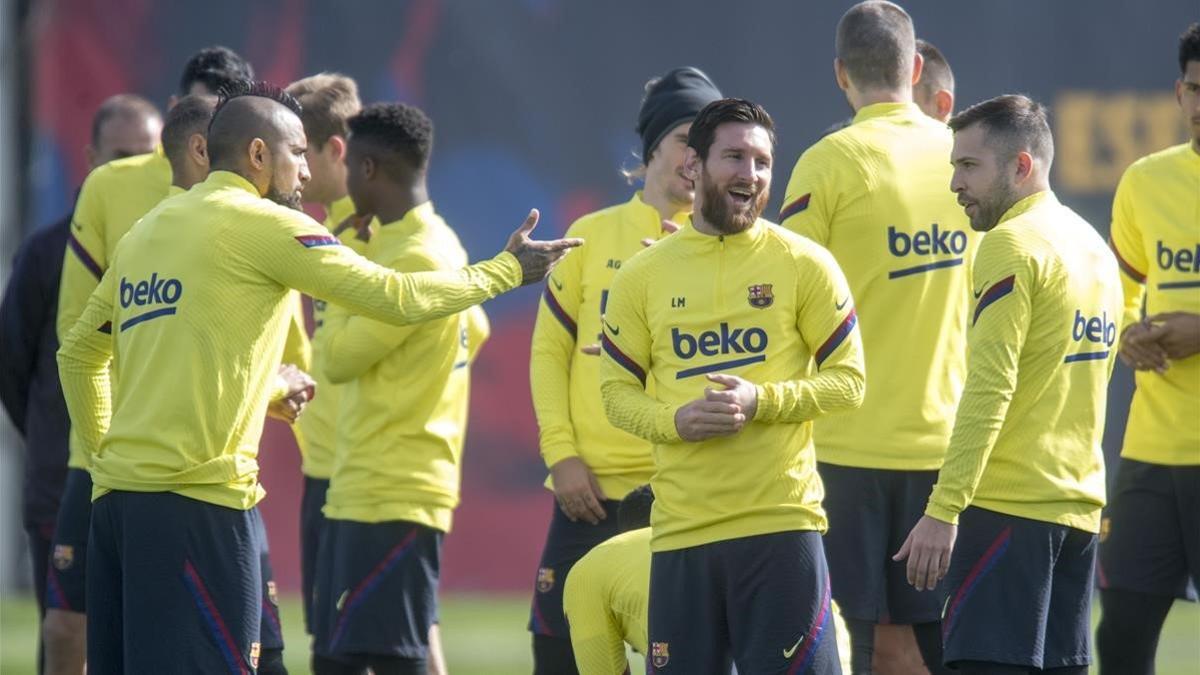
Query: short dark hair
[222,142]
[214,67]
[328,99]
[397,128]
[1189,46]
[121,105]
[936,73]
[721,111]
[1015,122]
[633,513]
[876,42]
[190,115]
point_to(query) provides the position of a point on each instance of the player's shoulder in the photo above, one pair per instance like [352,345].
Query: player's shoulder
[1166,160]
[794,246]
[138,168]
[830,149]
[597,223]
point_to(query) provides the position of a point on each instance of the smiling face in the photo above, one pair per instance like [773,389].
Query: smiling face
[665,169]
[734,183]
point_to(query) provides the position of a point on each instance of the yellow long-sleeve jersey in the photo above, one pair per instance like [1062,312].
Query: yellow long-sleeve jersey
[403,414]
[876,195]
[766,305]
[113,197]
[1040,349]
[565,383]
[318,424]
[1156,236]
[606,602]
[195,331]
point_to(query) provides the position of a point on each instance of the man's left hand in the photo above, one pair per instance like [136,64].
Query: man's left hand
[928,550]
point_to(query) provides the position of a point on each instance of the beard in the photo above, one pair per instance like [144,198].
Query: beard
[292,200]
[714,207]
[1000,196]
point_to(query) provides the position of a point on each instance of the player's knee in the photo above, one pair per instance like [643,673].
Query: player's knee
[64,631]
[896,651]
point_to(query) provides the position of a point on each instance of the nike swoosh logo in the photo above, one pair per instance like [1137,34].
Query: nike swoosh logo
[787,653]
[557,285]
[76,226]
[614,331]
[979,292]
[842,304]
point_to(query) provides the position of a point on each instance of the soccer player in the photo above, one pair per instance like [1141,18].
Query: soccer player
[1024,471]
[396,469]
[875,195]
[195,332]
[123,126]
[1150,538]
[605,596]
[934,91]
[748,332]
[593,464]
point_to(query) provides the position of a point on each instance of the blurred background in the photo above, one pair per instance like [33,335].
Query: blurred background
[534,103]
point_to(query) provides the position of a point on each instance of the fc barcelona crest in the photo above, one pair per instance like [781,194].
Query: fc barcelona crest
[255,652]
[659,655]
[761,296]
[64,556]
[545,579]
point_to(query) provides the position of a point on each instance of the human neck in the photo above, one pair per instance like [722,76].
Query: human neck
[399,200]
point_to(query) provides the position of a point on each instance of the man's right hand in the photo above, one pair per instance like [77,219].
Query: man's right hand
[701,420]
[577,491]
[537,258]
[1140,349]
[300,390]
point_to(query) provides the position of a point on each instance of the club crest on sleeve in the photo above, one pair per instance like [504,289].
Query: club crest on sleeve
[272,595]
[659,654]
[314,240]
[545,579]
[761,296]
[255,651]
[64,556]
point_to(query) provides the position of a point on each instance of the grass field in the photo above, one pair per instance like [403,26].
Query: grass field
[485,635]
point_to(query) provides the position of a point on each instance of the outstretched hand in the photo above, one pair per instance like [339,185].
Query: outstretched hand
[537,258]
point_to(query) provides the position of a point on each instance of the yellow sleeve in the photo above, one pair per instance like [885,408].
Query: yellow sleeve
[83,367]
[297,350]
[298,253]
[626,346]
[353,344]
[810,200]
[85,259]
[1125,238]
[832,337]
[596,637]
[550,355]
[996,335]
[479,329]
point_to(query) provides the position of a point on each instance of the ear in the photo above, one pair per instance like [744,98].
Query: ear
[1024,166]
[691,163]
[197,148]
[945,104]
[336,147]
[369,167]
[918,67]
[258,154]
[839,74]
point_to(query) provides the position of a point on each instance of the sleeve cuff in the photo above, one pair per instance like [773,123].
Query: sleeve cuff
[555,454]
[768,404]
[942,513]
[511,274]
[664,420]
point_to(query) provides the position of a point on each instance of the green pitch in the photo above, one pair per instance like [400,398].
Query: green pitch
[486,635]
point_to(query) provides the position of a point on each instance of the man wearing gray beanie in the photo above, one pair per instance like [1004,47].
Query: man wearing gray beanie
[592,464]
